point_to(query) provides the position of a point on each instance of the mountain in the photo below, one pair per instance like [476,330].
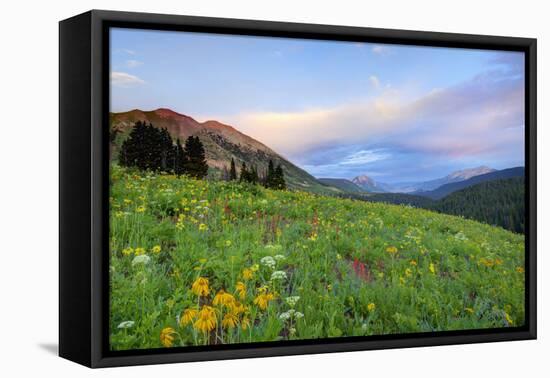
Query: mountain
[417,187]
[423,186]
[447,189]
[342,184]
[498,202]
[369,185]
[221,142]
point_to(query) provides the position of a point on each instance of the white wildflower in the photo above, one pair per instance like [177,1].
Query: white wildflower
[141,259]
[280,257]
[284,316]
[291,301]
[278,275]
[126,324]
[268,261]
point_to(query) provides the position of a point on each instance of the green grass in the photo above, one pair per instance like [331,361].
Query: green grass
[358,268]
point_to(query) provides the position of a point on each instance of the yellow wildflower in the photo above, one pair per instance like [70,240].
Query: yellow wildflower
[519,269]
[247,274]
[156,249]
[469,310]
[391,250]
[508,319]
[413,262]
[223,299]
[432,268]
[203,227]
[229,320]
[371,307]
[241,289]
[188,316]
[408,272]
[200,287]
[245,323]
[167,336]
[127,251]
[237,308]
[207,319]
[139,251]
[140,209]
[262,300]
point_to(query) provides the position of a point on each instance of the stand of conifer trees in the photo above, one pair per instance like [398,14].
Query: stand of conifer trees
[151,148]
[273,179]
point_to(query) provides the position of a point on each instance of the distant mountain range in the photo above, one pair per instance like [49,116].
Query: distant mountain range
[370,185]
[221,142]
[445,190]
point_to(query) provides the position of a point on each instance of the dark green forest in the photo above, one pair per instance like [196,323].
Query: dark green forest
[497,202]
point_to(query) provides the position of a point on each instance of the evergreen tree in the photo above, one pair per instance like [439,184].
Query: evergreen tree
[232,171]
[244,173]
[279,178]
[166,151]
[270,180]
[134,151]
[254,175]
[180,159]
[196,165]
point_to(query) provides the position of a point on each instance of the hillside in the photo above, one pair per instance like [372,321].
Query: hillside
[222,142]
[395,199]
[447,189]
[342,184]
[344,267]
[499,202]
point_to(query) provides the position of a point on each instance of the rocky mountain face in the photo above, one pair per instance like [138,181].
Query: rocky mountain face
[370,185]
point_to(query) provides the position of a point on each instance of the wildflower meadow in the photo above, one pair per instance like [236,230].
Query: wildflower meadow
[199,262]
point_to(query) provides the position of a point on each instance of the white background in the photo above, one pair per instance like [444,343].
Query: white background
[29,186]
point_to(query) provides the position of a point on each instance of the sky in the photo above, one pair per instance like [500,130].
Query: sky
[337,109]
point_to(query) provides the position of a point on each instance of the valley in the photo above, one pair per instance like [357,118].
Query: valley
[224,142]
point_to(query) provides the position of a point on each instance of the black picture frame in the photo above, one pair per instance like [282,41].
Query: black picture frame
[84,186]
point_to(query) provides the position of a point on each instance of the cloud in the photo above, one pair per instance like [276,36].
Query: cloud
[364,157]
[380,50]
[481,117]
[374,81]
[123,79]
[132,63]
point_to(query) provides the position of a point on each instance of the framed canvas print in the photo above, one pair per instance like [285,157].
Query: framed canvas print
[234,188]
